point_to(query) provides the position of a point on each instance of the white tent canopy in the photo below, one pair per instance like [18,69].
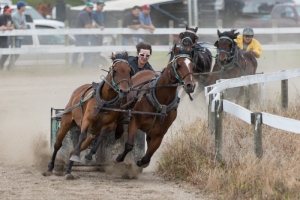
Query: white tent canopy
[120,5]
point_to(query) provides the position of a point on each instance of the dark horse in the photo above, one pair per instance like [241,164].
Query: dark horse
[160,97]
[88,115]
[200,55]
[230,61]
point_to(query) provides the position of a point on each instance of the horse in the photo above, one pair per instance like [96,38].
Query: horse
[201,56]
[156,103]
[86,112]
[231,62]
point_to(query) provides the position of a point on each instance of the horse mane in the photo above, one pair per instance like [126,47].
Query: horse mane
[120,55]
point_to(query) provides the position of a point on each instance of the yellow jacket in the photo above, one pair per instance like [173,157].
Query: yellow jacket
[254,45]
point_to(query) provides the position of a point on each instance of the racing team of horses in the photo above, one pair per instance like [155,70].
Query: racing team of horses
[147,100]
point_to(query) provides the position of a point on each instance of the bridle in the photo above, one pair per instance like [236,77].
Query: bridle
[230,53]
[114,84]
[174,67]
[188,38]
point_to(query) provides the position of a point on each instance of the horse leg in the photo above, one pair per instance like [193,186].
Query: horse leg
[120,129]
[153,145]
[148,139]
[75,156]
[129,144]
[89,157]
[66,125]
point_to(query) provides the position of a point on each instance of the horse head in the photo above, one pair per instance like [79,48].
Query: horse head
[182,68]
[121,73]
[188,38]
[225,44]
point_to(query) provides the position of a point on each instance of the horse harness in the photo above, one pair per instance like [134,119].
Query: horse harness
[233,55]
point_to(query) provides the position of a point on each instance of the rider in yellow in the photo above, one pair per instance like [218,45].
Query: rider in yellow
[248,43]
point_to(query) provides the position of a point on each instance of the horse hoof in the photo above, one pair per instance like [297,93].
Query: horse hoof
[116,159]
[139,164]
[75,158]
[85,161]
[47,173]
[69,177]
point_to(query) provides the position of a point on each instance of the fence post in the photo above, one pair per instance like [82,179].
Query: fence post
[67,55]
[120,35]
[246,97]
[284,94]
[220,23]
[210,115]
[171,25]
[256,120]
[218,128]
[12,58]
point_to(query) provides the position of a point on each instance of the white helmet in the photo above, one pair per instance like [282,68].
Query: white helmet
[248,31]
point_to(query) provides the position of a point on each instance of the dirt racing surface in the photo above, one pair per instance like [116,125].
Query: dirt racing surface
[27,94]
[26,98]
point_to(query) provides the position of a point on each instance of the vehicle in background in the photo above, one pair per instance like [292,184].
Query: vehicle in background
[5,2]
[285,15]
[281,16]
[37,17]
[49,41]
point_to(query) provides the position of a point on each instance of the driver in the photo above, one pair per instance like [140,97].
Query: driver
[140,62]
[246,42]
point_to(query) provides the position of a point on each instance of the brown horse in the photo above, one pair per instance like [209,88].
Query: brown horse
[230,61]
[160,97]
[88,115]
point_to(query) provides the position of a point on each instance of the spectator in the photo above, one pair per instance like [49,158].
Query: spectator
[246,42]
[140,62]
[131,20]
[98,22]
[145,19]
[83,20]
[19,21]
[6,23]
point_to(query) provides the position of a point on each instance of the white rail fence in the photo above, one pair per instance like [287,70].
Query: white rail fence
[216,106]
[120,31]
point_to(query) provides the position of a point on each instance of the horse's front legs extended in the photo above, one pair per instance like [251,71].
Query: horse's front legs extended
[132,128]
[153,145]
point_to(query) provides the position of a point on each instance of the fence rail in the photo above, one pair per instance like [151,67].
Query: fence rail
[216,106]
[158,31]
[120,31]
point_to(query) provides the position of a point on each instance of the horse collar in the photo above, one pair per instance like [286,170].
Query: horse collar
[102,103]
[153,101]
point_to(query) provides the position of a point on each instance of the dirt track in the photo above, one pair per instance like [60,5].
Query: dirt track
[26,99]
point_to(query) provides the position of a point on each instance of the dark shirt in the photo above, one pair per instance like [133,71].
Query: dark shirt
[98,17]
[5,21]
[133,61]
[130,20]
[83,18]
